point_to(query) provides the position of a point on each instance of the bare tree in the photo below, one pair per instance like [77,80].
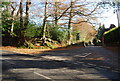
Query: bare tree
[13,18]
[78,11]
[56,14]
[59,10]
[69,23]
[43,38]
[27,13]
[23,26]
[21,23]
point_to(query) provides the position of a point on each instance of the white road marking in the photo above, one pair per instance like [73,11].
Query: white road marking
[56,58]
[9,62]
[118,69]
[115,71]
[84,55]
[100,68]
[84,65]
[0,57]
[91,64]
[105,67]
[76,63]
[43,76]
[80,62]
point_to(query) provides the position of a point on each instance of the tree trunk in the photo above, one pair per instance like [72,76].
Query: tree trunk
[12,25]
[43,38]
[69,24]
[23,26]
[56,14]
[18,12]
[22,38]
[11,32]
[21,18]
[27,14]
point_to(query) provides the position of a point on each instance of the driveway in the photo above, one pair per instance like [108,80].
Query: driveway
[89,63]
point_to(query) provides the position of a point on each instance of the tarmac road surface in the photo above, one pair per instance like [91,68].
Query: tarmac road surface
[91,63]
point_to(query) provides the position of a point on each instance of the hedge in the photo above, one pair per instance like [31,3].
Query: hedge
[112,36]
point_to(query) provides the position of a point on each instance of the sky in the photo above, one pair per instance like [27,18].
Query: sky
[111,18]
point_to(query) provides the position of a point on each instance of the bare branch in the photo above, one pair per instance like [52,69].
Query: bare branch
[14,8]
[63,12]
[78,22]
[80,13]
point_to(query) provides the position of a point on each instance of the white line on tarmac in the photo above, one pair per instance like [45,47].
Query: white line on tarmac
[43,76]
[115,71]
[91,64]
[76,63]
[80,62]
[86,54]
[105,67]
[9,62]
[100,68]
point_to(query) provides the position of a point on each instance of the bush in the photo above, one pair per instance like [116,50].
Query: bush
[32,31]
[112,36]
[50,45]
[57,34]
[97,42]
[21,47]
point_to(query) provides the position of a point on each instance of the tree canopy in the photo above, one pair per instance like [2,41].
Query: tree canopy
[26,21]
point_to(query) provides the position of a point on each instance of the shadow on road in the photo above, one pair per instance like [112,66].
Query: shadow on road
[14,55]
[76,62]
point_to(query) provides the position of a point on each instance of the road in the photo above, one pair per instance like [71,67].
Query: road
[91,63]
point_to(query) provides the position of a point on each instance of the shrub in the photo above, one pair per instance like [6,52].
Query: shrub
[57,34]
[50,45]
[112,36]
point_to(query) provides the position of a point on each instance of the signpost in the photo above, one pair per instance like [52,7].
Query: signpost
[118,12]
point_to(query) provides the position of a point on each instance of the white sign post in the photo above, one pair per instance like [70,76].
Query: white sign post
[118,17]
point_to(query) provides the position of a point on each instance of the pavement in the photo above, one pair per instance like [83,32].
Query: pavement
[92,63]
